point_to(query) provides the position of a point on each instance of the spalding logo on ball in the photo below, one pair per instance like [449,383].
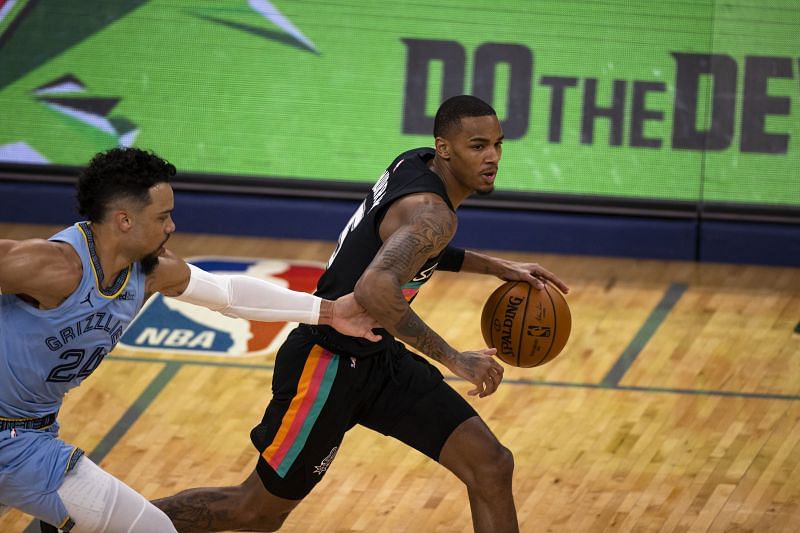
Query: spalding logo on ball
[528,326]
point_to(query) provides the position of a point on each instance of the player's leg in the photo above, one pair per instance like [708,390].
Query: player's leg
[32,465]
[486,467]
[418,408]
[314,394]
[97,501]
[249,505]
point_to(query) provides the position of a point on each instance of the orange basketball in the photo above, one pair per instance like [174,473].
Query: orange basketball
[528,326]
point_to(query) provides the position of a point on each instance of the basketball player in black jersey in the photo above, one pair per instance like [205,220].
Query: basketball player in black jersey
[325,382]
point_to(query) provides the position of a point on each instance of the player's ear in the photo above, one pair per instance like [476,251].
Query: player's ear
[442,148]
[122,220]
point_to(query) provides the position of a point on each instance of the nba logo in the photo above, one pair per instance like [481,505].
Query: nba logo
[168,325]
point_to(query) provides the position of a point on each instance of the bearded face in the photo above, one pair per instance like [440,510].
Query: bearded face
[149,263]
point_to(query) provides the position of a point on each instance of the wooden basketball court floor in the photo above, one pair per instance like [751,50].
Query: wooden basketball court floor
[674,407]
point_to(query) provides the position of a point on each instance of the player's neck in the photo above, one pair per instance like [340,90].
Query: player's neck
[112,257]
[456,192]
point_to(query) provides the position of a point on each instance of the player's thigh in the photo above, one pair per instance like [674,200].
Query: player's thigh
[417,407]
[315,396]
[33,464]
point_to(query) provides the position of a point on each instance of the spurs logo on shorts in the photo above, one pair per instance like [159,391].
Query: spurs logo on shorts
[166,324]
[323,466]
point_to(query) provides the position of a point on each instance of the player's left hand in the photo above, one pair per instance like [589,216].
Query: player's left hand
[351,319]
[480,368]
[533,273]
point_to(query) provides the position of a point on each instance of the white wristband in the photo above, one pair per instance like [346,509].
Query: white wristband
[246,297]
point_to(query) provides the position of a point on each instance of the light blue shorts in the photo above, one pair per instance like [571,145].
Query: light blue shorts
[32,467]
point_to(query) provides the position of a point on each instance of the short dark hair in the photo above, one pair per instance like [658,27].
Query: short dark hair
[119,173]
[455,108]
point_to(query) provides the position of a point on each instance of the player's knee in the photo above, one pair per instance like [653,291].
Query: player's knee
[496,467]
[503,461]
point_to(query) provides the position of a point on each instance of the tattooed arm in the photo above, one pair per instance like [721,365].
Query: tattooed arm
[416,228]
[533,273]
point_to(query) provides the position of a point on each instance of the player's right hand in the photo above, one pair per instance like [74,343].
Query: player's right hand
[481,369]
[533,273]
[352,319]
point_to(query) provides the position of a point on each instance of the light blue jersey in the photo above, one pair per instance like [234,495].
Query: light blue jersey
[44,354]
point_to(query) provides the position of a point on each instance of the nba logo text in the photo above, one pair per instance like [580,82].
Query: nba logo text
[168,325]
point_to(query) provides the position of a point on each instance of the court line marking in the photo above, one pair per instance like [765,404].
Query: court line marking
[609,382]
[643,336]
[509,381]
[667,390]
[132,414]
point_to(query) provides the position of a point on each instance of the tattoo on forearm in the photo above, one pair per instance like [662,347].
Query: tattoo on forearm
[415,331]
[195,512]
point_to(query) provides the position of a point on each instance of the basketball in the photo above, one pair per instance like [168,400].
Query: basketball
[529,327]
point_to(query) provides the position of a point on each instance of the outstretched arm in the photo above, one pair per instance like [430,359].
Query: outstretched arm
[250,298]
[459,260]
[414,229]
[533,273]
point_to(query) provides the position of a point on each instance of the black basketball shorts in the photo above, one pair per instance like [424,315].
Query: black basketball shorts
[319,394]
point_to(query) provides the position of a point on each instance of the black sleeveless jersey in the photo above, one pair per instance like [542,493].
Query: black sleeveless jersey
[360,240]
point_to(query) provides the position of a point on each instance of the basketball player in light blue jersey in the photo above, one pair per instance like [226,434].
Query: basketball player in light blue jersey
[64,305]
